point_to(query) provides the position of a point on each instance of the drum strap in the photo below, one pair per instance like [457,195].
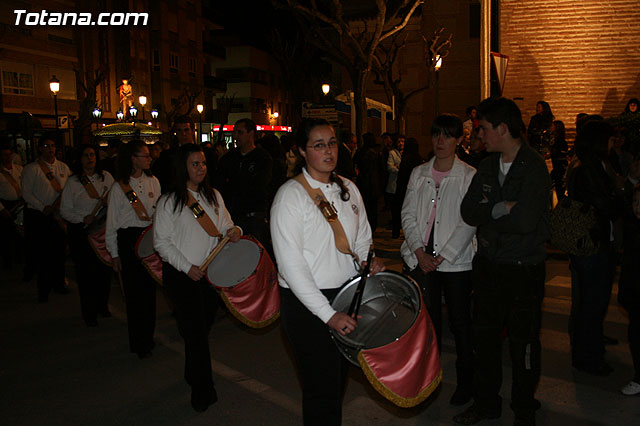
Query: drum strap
[202,217]
[135,202]
[11,181]
[49,174]
[330,213]
[88,186]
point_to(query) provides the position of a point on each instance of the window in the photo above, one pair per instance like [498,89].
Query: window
[17,83]
[156,60]
[192,66]
[173,62]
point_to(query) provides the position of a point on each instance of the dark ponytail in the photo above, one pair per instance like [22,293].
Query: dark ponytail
[344,191]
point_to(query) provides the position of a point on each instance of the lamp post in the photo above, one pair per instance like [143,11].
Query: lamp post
[120,115]
[437,64]
[326,88]
[154,114]
[97,114]
[200,108]
[54,85]
[143,101]
[133,111]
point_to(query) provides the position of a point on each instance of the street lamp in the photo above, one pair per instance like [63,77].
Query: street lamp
[154,114]
[200,108]
[133,111]
[97,114]
[120,115]
[437,64]
[143,101]
[54,85]
[326,88]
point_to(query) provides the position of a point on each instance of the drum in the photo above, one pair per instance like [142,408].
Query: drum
[99,223]
[146,253]
[247,280]
[390,305]
[394,343]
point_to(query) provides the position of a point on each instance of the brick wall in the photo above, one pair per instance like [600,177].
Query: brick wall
[580,56]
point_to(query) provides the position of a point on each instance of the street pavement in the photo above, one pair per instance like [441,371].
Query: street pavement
[56,371]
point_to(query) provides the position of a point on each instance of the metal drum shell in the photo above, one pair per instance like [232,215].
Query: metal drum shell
[400,287]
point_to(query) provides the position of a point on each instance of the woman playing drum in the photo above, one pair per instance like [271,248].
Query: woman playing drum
[437,250]
[184,242]
[132,201]
[85,190]
[312,269]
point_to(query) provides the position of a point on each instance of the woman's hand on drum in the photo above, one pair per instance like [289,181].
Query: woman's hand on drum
[234,234]
[195,273]
[342,323]
[376,266]
[88,219]
[116,264]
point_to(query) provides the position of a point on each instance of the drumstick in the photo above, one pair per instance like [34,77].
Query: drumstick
[213,254]
[357,296]
[97,208]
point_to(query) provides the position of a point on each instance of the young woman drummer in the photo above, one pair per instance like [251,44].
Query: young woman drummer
[312,269]
[84,191]
[184,242]
[132,201]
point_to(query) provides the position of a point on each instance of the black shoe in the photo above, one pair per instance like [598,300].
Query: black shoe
[144,354]
[602,369]
[528,419]
[473,415]
[462,395]
[609,340]
[201,400]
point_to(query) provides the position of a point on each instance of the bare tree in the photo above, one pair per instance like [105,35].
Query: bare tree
[351,43]
[389,73]
[89,85]
[225,103]
[183,105]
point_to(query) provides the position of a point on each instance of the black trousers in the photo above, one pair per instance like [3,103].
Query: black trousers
[12,245]
[591,282]
[512,295]
[92,276]
[457,295]
[139,292]
[323,370]
[195,305]
[47,246]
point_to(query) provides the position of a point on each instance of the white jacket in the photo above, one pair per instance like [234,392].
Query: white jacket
[452,238]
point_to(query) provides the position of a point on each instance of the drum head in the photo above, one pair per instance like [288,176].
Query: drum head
[235,263]
[100,222]
[144,247]
[390,306]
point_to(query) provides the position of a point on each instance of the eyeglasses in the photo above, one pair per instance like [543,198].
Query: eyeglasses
[321,146]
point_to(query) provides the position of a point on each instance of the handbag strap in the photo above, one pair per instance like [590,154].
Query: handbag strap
[135,202]
[330,213]
[202,217]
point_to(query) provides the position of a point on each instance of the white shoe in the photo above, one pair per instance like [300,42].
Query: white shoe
[632,388]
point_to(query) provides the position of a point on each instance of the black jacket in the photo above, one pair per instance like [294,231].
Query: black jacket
[518,237]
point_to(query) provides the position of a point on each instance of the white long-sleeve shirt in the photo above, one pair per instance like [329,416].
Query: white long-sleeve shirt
[36,188]
[304,245]
[179,238]
[76,202]
[7,191]
[120,213]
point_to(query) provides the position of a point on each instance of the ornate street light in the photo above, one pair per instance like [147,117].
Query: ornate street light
[142,99]
[326,88]
[133,111]
[120,115]
[154,114]
[200,108]
[54,85]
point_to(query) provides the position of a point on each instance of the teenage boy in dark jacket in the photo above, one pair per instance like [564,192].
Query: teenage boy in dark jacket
[508,201]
